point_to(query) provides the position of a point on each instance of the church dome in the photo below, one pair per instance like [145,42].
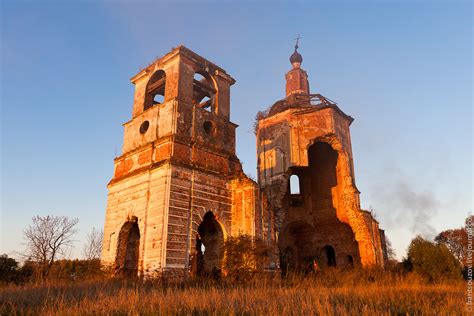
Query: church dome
[296,57]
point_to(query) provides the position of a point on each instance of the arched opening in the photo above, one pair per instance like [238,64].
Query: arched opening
[204,91]
[158,99]
[209,243]
[155,90]
[128,249]
[208,127]
[294,184]
[322,160]
[330,256]
[350,261]
[296,247]
[287,260]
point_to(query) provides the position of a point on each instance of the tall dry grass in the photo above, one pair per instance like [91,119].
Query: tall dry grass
[335,292]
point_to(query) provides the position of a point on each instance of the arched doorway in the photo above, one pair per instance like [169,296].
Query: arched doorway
[330,256]
[296,247]
[287,260]
[128,249]
[209,244]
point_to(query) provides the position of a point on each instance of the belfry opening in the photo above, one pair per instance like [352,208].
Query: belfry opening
[155,90]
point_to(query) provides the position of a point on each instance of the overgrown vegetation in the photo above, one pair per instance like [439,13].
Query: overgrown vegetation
[432,261]
[332,292]
[61,270]
[245,257]
[431,285]
[427,282]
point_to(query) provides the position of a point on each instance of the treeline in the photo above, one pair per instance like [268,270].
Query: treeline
[444,258]
[65,269]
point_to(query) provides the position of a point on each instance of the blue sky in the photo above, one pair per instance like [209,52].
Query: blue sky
[402,69]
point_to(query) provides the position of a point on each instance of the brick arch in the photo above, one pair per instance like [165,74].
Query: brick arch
[213,96]
[207,74]
[200,217]
[128,248]
[328,253]
[346,199]
[156,85]
[211,236]
[296,246]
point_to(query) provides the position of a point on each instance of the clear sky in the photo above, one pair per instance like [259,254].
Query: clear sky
[402,69]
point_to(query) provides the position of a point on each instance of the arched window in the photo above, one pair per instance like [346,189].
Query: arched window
[350,261]
[294,184]
[155,90]
[204,91]
[330,255]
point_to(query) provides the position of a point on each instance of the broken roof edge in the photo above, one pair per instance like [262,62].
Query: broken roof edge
[181,49]
[242,176]
[372,217]
[316,108]
[302,102]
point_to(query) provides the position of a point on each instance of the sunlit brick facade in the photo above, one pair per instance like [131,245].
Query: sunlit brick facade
[178,189]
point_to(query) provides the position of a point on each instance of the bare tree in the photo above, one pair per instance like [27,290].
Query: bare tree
[93,246]
[392,256]
[47,238]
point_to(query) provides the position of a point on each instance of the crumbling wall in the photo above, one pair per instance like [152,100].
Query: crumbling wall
[246,207]
[293,131]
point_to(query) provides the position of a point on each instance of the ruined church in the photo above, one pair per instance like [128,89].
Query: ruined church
[178,188]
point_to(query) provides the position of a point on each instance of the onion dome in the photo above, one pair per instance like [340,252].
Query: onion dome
[296,57]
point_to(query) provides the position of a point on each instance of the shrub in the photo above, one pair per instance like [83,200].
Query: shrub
[8,269]
[244,257]
[11,272]
[434,262]
[75,269]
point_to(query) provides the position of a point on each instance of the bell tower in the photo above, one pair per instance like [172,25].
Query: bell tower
[178,182]
[305,167]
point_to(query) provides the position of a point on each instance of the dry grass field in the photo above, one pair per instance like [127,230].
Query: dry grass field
[330,293]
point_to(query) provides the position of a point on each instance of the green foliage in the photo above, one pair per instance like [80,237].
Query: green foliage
[11,272]
[245,256]
[75,269]
[8,269]
[433,261]
[31,271]
[27,272]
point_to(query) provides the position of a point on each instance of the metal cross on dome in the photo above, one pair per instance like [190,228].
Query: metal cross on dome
[297,39]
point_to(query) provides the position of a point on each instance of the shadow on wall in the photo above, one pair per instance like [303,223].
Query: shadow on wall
[312,236]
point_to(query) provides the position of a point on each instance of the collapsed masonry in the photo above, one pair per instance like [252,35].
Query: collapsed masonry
[178,188]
